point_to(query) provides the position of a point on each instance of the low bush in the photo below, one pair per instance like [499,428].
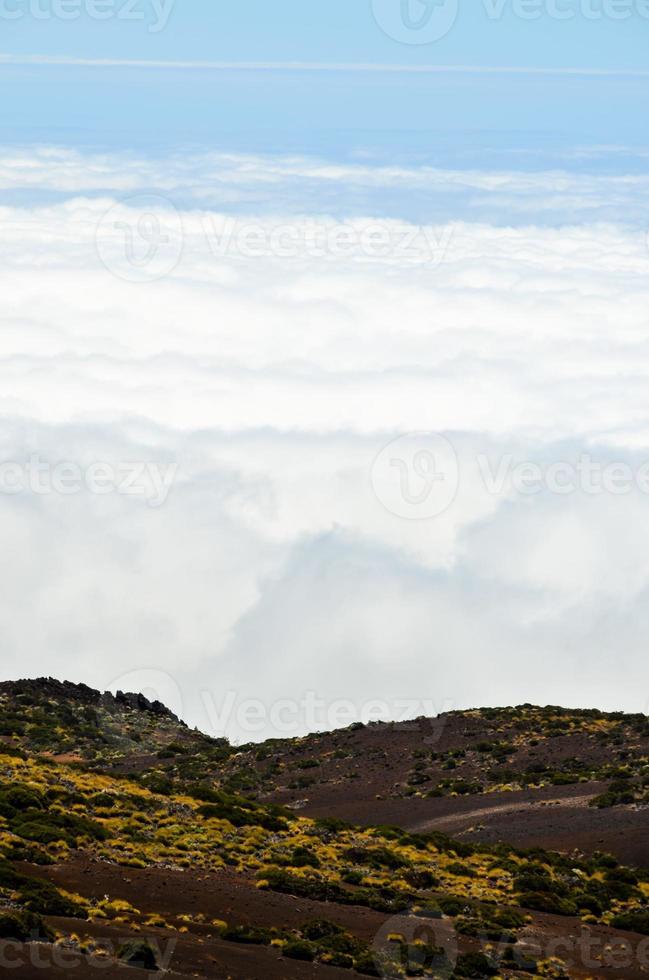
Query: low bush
[44,898]
[21,797]
[24,927]
[452,906]
[366,966]
[320,890]
[547,902]
[475,965]
[240,817]
[302,857]
[247,935]
[138,953]
[636,921]
[299,950]
[421,878]
[374,857]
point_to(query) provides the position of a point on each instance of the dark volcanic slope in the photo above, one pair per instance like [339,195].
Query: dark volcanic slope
[525,775]
[528,776]
[123,835]
[118,734]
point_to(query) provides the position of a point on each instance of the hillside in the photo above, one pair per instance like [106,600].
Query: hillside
[120,734]
[163,866]
[529,776]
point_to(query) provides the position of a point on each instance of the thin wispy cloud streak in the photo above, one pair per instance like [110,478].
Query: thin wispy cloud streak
[37,60]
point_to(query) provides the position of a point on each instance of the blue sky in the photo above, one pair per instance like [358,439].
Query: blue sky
[331,112]
[342,31]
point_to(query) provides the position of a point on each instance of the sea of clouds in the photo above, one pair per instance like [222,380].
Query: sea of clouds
[281,336]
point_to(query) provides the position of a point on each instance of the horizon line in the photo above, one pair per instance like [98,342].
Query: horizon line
[37,60]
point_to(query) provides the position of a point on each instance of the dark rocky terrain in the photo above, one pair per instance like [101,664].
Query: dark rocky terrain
[497,842]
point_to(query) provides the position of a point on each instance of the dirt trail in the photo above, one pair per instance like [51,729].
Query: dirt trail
[451,820]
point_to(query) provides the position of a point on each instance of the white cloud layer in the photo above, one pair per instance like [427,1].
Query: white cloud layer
[297,186]
[272,381]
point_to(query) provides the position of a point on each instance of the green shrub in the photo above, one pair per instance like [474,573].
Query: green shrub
[625,875]
[418,779]
[247,935]
[23,797]
[24,927]
[538,882]
[637,921]
[319,890]
[366,966]
[53,826]
[352,876]
[240,817]
[299,950]
[327,937]
[138,953]
[547,902]
[421,878]
[42,832]
[374,857]
[342,960]
[302,857]
[452,906]
[464,788]
[104,800]
[589,903]
[44,898]
[430,912]
[475,965]
[485,929]
[516,959]
[461,870]
[564,778]
[31,853]
[321,929]
[156,782]
[9,877]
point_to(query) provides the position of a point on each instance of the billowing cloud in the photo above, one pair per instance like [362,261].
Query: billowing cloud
[264,358]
